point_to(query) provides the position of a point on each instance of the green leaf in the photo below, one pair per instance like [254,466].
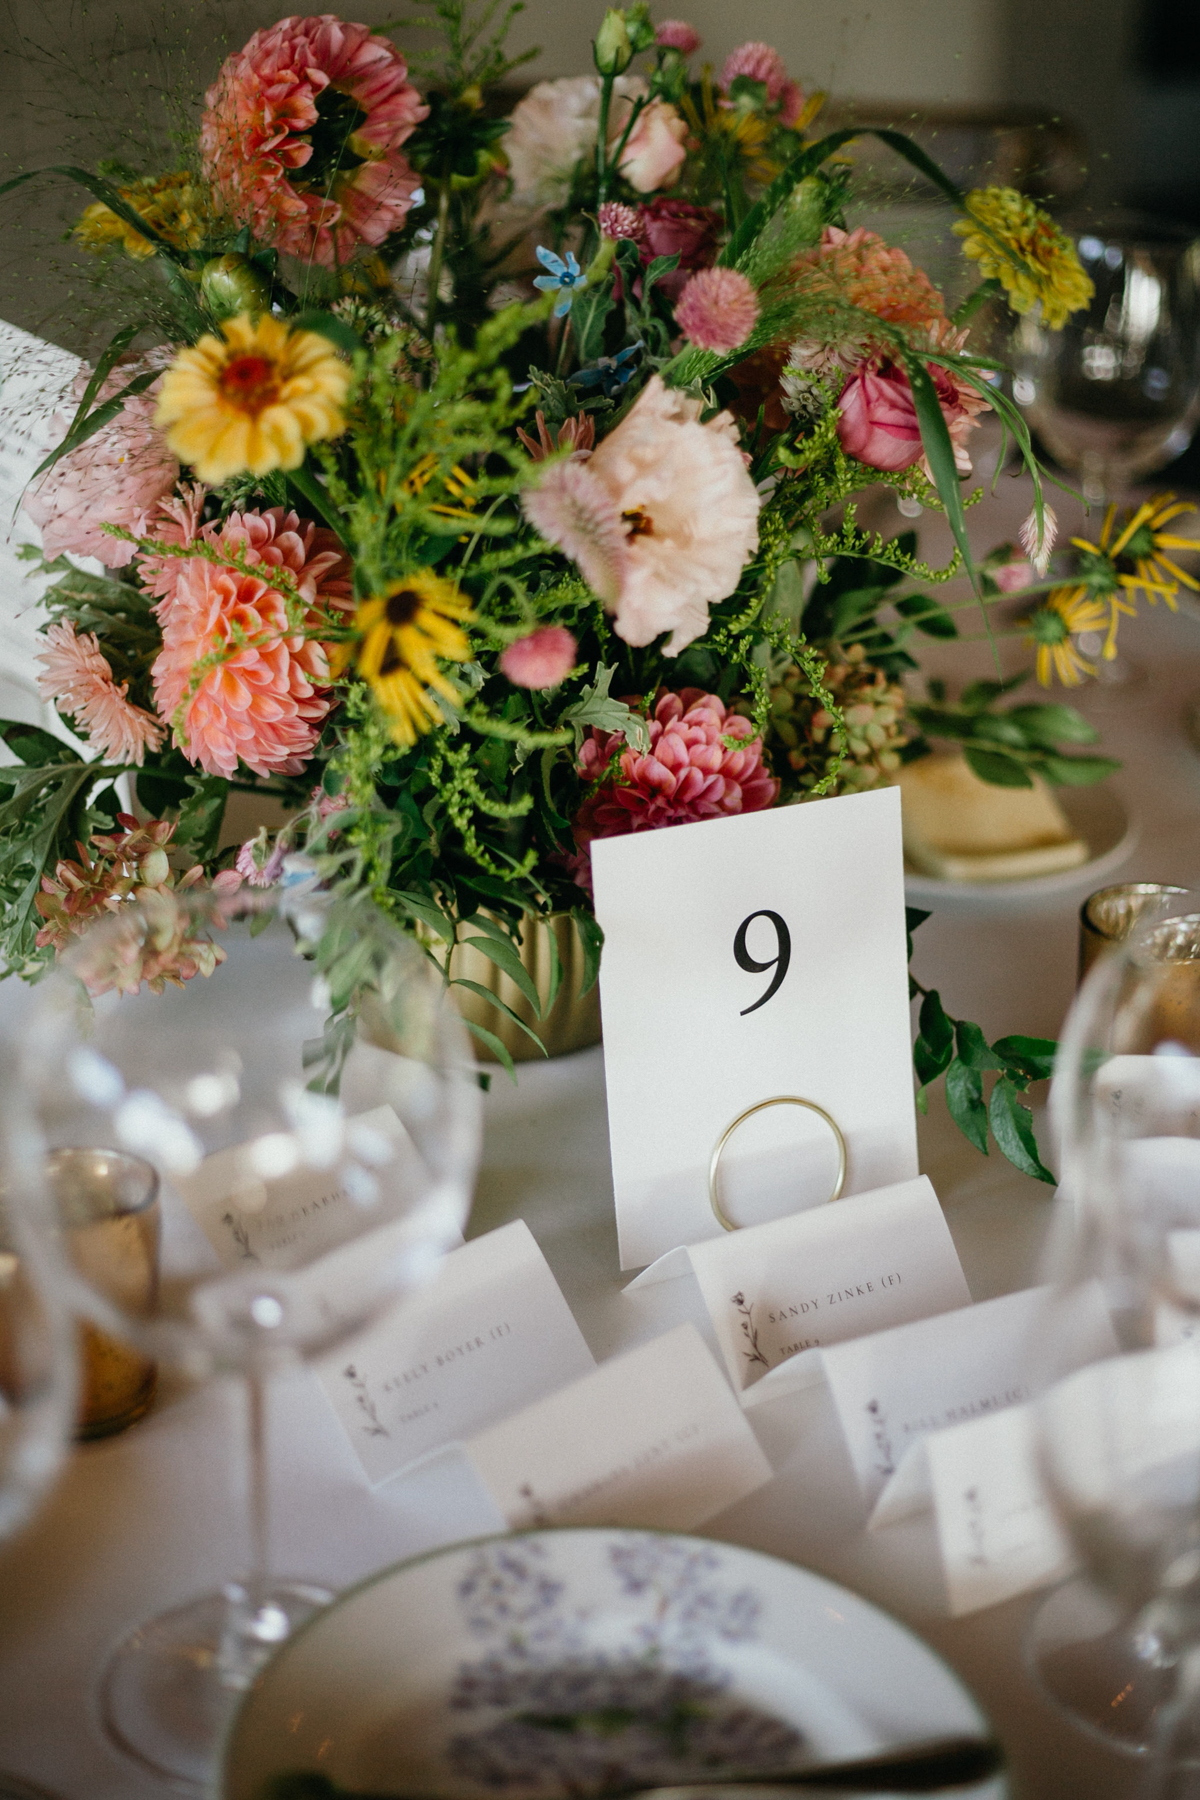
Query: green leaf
[506,957]
[913,918]
[33,745]
[100,190]
[1054,724]
[994,766]
[661,265]
[310,489]
[964,1098]
[426,912]
[1030,1058]
[1012,1128]
[201,815]
[500,1005]
[940,451]
[1077,771]
[973,1047]
[978,694]
[592,939]
[928,615]
[494,1045]
[596,707]
[935,1043]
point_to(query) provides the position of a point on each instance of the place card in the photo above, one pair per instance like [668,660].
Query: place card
[256,1205]
[778,1294]
[893,1388]
[490,1333]
[653,1438]
[997,1532]
[745,958]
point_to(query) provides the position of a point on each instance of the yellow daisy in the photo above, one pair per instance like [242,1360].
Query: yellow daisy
[253,399]
[174,205]
[1135,552]
[402,634]
[1020,246]
[1064,612]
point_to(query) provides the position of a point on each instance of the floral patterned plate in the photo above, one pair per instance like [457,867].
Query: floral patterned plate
[555,1662]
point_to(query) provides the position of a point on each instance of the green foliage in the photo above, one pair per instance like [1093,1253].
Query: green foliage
[1010,746]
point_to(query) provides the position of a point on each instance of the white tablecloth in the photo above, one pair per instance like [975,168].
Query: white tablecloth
[146,1520]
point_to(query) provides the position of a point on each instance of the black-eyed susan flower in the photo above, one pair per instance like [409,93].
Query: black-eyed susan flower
[253,399]
[1136,552]
[404,634]
[1016,243]
[1053,627]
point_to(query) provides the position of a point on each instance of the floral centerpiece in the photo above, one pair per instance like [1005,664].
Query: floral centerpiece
[476,486]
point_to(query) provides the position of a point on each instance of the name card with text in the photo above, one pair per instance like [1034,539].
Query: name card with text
[653,1438]
[489,1334]
[896,1387]
[778,1293]
[997,1533]
[745,958]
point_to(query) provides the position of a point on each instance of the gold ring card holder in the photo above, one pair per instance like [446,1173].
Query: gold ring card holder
[723,1221]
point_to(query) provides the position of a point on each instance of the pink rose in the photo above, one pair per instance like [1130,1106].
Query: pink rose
[654,153]
[877,420]
[676,226]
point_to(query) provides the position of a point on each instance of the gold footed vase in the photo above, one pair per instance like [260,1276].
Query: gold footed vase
[570,1024]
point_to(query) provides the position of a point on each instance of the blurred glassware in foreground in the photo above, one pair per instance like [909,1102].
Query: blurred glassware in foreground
[1119,1439]
[309,1104]
[1108,916]
[1116,393]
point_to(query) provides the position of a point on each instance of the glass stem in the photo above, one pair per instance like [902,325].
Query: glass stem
[259,1569]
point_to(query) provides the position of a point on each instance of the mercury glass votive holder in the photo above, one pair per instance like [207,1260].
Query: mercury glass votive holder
[1110,914]
[108,1212]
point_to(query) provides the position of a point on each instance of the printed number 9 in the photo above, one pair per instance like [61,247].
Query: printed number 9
[779,962]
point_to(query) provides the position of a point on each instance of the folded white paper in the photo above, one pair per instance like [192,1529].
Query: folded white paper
[778,1293]
[262,1202]
[894,1387]
[653,1438]
[997,1532]
[745,958]
[489,1334]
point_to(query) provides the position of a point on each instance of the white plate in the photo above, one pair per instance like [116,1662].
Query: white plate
[1096,815]
[637,1654]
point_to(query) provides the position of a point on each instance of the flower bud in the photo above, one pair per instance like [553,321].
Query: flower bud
[613,50]
[153,868]
[640,26]
[231,284]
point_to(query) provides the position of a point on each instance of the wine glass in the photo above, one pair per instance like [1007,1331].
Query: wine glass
[308,1102]
[1119,1437]
[38,1362]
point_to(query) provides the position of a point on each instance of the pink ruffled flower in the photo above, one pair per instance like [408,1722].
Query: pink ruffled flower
[759,62]
[79,680]
[541,660]
[240,680]
[677,34]
[661,520]
[859,268]
[268,115]
[116,478]
[688,773]
[654,152]
[717,310]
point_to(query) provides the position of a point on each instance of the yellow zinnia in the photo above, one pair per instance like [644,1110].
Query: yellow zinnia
[1020,246]
[253,399]
[1065,611]
[172,205]
[403,633]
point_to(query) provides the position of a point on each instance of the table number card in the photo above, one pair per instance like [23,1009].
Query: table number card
[895,1388]
[778,1293]
[489,1334]
[744,958]
[653,1438]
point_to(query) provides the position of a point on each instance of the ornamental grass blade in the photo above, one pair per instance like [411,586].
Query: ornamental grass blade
[938,448]
[104,192]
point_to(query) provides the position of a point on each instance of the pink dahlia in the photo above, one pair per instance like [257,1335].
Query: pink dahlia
[541,660]
[301,137]
[677,34]
[116,478]
[759,62]
[79,681]
[717,310]
[688,772]
[239,676]
[661,519]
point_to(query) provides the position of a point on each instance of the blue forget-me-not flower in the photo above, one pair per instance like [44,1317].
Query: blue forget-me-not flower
[565,275]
